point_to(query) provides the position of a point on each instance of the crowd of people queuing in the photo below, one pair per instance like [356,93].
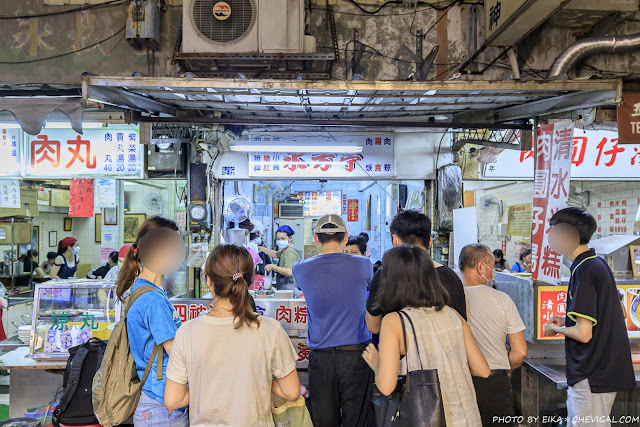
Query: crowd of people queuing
[222,368]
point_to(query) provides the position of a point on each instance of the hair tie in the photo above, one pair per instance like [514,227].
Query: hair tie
[135,251]
[236,276]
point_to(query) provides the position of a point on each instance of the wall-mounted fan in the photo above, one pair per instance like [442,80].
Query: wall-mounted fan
[154,202]
[489,203]
[275,190]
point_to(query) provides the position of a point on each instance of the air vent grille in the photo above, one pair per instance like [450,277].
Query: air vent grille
[233,29]
[291,210]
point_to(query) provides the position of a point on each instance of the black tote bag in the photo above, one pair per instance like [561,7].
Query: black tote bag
[417,399]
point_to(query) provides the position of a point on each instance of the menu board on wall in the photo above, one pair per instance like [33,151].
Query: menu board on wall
[318,203]
[519,220]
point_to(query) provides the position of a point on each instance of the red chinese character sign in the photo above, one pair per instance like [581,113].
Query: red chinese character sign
[97,152]
[552,301]
[594,155]
[550,194]
[352,210]
[81,197]
[375,160]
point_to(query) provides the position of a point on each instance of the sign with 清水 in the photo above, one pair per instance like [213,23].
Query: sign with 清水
[550,194]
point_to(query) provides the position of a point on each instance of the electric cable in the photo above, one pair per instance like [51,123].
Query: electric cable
[66,53]
[63,12]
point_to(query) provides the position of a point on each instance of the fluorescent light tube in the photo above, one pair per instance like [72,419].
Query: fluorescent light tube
[297,148]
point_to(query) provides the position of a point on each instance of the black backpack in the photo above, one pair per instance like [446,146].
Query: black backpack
[75,407]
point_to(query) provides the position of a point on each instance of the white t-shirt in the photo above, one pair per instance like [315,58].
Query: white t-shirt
[230,371]
[492,315]
[112,274]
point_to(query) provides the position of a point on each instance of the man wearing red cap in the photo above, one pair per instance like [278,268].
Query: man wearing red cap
[113,273]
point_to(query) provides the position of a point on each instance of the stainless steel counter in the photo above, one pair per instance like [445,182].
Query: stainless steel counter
[11,344]
[555,370]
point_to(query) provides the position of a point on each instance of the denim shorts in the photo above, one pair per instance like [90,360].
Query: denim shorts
[150,412]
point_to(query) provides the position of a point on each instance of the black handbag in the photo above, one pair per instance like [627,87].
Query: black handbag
[417,399]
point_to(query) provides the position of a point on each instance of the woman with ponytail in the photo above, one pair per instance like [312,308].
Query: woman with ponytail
[151,319]
[226,364]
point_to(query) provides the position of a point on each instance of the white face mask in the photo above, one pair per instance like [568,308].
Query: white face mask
[76,250]
[493,277]
[282,243]
[257,241]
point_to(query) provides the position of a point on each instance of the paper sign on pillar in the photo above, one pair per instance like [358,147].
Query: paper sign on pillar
[551,192]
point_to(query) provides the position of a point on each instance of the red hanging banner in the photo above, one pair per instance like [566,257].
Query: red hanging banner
[550,194]
[352,210]
[81,197]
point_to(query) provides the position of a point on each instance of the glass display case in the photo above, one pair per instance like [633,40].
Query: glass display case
[67,313]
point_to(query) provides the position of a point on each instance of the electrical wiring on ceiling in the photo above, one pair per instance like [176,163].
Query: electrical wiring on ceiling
[432,5]
[63,12]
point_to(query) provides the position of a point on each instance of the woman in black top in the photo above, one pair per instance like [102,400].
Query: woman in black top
[30,265]
[500,262]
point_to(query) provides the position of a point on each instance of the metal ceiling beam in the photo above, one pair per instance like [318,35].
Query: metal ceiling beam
[543,107]
[229,105]
[333,123]
[457,146]
[125,99]
[438,94]
[559,104]
[323,86]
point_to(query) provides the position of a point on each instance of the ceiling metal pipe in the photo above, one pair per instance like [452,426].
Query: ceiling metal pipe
[590,47]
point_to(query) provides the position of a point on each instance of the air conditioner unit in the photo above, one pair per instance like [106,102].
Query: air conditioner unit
[291,210]
[243,26]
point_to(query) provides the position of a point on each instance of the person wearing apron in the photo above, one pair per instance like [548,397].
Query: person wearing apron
[66,263]
[287,256]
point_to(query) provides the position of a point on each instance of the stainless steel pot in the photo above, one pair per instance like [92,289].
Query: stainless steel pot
[18,268]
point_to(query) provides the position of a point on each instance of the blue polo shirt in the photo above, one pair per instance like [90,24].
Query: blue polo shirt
[151,320]
[335,288]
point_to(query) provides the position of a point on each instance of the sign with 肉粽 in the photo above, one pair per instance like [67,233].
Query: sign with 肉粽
[56,153]
[519,220]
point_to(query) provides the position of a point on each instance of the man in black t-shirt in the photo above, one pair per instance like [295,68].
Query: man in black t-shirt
[414,228]
[596,345]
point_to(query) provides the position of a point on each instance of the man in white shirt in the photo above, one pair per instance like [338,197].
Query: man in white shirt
[493,317]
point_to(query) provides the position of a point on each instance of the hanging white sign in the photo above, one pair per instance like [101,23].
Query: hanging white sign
[56,153]
[595,155]
[105,193]
[10,151]
[375,160]
[9,193]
